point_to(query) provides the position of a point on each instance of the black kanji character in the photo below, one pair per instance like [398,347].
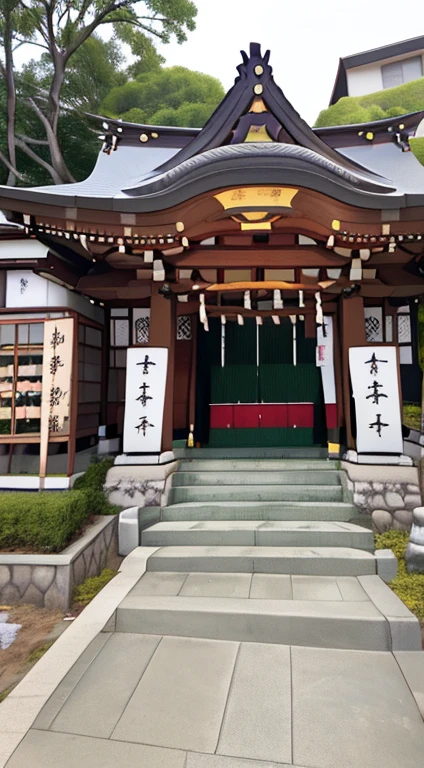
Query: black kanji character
[56,395]
[373,361]
[144,397]
[54,423]
[143,426]
[57,338]
[55,363]
[378,424]
[146,362]
[375,394]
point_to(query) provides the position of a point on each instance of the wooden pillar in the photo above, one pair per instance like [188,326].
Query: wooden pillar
[162,334]
[353,335]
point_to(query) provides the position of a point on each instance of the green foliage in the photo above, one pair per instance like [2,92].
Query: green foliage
[170,96]
[43,521]
[39,652]
[86,591]
[409,587]
[375,106]
[412,416]
[417,147]
[94,477]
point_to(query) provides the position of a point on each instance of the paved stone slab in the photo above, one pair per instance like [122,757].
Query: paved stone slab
[45,749]
[412,666]
[315,588]
[255,493]
[180,700]
[217,585]
[298,622]
[159,584]
[273,586]
[65,688]
[218,761]
[353,709]
[227,477]
[257,721]
[98,701]
[351,589]
[253,510]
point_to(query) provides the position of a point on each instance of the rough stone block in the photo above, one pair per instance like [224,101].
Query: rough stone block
[379,487]
[10,594]
[21,577]
[377,501]
[79,570]
[412,500]
[54,600]
[42,577]
[33,596]
[402,520]
[415,558]
[418,516]
[5,575]
[394,500]
[359,499]
[382,520]
[412,489]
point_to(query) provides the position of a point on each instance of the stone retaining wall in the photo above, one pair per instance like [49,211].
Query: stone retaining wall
[142,485]
[387,493]
[48,580]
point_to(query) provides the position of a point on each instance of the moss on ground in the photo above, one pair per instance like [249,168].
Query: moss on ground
[409,587]
[85,592]
[412,416]
[417,147]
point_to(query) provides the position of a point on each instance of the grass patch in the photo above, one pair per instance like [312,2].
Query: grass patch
[409,587]
[37,653]
[412,416]
[5,693]
[85,592]
[417,147]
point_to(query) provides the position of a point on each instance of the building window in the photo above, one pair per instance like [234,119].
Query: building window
[399,72]
[21,369]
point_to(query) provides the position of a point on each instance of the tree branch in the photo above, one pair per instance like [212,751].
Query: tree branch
[29,140]
[10,167]
[39,160]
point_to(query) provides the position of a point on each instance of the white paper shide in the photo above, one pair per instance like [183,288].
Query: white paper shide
[375,386]
[144,399]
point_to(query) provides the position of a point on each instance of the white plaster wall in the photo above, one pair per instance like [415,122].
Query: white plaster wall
[22,249]
[368,78]
[37,291]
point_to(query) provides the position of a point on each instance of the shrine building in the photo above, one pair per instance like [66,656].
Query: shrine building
[250,284]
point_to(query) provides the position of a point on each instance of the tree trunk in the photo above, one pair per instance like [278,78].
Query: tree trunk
[57,159]
[11,99]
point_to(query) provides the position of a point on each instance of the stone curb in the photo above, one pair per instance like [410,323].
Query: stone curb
[19,710]
[404,626]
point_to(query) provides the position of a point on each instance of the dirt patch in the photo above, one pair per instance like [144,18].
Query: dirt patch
[37,626]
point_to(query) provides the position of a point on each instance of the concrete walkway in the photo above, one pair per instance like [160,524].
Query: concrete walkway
[207,653]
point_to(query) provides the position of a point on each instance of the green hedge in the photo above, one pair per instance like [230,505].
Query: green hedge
[44,521]
[409,587]
[374,106]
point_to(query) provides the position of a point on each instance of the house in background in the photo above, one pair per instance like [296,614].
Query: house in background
[379,69]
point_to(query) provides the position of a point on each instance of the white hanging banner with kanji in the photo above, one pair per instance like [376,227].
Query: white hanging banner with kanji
[57,376]
[374,373]
[145,399]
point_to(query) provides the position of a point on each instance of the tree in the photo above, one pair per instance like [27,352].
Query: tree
[170,96]
[61,28]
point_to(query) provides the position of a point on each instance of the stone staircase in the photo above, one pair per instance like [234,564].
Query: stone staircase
[262,550]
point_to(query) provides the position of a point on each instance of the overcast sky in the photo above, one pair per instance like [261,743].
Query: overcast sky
[306,39]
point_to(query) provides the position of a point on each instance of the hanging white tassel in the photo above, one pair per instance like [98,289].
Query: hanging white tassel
[276,319]
[259,320]
[206,325]
[330,241]
[319,315]
[240,319]
[301,302]
[223,323]
[293,319]
[202,309]
[278,302]
[247,300]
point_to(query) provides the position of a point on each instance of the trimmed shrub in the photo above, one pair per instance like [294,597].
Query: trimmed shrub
[390,102]
[92,483]
[43,521]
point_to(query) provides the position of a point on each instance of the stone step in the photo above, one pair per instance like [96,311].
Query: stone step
[247,465]
[253,510]
[256,493]
[308,561]
[312,452]
[256,477]
[319,624]
[291,533]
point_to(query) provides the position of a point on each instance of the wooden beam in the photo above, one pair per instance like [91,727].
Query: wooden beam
[216,257]
[214,311]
